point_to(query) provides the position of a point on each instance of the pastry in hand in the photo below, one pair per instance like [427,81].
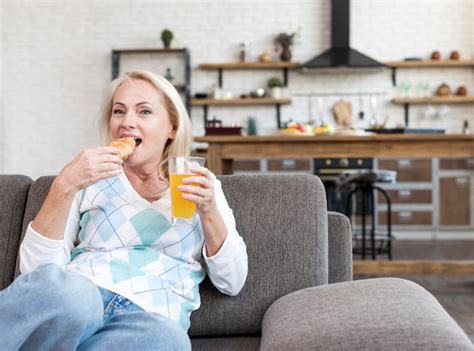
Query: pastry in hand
[125,145]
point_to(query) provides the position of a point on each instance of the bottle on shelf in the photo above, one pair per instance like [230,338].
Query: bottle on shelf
[168,75]
[465,128]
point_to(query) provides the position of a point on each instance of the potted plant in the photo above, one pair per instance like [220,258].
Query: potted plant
[166,37]
[275,84]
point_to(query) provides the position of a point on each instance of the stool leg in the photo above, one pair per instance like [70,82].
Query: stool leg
[349,209]
[370,193]
[389,221]
[363,222]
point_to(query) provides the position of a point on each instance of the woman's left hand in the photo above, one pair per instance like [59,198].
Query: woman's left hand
[199,189]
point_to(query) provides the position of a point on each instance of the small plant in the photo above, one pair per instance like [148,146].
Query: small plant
[275,82]
[167,36]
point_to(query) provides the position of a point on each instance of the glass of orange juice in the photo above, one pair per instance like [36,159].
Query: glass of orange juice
[179,167]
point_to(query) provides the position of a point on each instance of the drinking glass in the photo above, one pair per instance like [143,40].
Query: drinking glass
[179,167]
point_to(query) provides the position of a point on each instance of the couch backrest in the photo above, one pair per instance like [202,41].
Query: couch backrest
[283,221]
[13,195]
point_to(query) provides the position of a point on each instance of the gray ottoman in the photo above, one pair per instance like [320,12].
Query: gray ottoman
[372,314]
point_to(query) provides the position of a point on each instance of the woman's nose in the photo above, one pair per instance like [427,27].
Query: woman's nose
[130,119]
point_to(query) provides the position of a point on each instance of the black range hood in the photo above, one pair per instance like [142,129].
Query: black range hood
[341,54]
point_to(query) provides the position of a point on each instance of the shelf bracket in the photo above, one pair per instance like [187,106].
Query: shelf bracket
[285,76]
[115,64]
[278,116]
[394,76]
[206,110]
[407,112]
[219,73]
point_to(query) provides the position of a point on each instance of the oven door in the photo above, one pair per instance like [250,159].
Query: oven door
[329,170]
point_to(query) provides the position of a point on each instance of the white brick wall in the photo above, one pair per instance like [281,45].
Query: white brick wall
[55,62]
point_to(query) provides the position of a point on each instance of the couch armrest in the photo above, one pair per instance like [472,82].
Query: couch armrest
[13,194]
[339,247]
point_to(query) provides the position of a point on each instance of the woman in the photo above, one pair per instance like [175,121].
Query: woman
[102,264]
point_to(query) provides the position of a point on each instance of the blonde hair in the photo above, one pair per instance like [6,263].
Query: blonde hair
[180,145]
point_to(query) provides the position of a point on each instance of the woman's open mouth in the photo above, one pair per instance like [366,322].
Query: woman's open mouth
[138,141]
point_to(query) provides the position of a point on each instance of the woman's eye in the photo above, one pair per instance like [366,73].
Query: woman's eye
[145,112]
[117,112]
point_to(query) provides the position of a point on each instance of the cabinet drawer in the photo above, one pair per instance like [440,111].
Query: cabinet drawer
[289,165]
[454,201]
[409,170]
[456,163]
[247,165]
[404,196]
[407,218]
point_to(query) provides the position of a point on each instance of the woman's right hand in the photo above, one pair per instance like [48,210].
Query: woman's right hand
[90,166]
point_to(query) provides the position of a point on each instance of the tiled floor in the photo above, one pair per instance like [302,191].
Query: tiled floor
[455,293]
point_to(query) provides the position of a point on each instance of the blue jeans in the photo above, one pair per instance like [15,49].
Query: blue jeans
[52,309]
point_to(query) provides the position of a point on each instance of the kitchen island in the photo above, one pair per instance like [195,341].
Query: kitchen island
[222,150]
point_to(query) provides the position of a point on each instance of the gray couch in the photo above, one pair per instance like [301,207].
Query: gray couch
[299,294]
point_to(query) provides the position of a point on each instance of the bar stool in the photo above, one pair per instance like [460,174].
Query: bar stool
[363,187]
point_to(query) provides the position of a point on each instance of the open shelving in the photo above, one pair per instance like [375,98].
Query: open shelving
[407,101]
[220,67]
[394,65]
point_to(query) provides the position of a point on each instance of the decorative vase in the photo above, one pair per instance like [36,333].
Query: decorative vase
[286,53]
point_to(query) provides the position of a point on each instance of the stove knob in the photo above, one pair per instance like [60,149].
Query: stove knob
[344,162]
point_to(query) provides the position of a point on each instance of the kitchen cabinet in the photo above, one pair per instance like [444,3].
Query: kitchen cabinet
[430,194]
[456,192]
[404,217]
[454,201]
[412,170]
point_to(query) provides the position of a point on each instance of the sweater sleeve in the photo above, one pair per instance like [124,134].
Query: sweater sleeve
[227,269]
[38,250]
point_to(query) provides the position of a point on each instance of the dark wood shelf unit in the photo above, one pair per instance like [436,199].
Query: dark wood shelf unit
[185,88]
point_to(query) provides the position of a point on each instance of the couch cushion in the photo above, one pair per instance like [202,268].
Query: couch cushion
[283,221]
[371,314]
[13,194]
[226,344]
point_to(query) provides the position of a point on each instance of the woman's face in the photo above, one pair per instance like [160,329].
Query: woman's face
[138,111]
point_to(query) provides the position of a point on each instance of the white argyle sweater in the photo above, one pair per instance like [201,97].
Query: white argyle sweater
[128,245]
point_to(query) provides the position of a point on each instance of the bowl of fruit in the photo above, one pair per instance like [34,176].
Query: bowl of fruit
[296,128]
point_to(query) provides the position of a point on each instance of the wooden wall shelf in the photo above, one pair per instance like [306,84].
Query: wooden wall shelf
[239,102]
[434,100]
[430,63]
[149,50]
[249,65]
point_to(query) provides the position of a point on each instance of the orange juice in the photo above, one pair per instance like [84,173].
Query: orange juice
[180,207]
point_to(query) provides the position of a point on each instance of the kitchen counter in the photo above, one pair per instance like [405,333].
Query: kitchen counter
[223,150]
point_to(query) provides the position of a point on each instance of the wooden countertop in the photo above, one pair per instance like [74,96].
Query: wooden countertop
[334,138]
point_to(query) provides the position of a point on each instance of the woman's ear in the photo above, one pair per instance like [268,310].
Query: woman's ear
[172,134]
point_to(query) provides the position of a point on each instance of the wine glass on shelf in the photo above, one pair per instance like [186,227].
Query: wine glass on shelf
[405,88]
